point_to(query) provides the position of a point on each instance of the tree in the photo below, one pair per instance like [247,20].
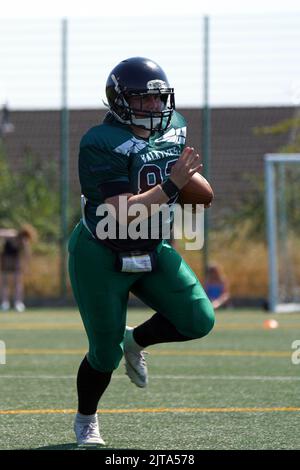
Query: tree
[29,195]
[250,212]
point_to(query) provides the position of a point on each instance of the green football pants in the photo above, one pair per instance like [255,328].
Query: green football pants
[102,293]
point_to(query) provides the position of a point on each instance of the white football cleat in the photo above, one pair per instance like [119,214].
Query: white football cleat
[19,306]
[135,364]
[5,306]
[87,432]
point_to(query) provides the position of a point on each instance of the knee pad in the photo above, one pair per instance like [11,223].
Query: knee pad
[200,319]
[105,359]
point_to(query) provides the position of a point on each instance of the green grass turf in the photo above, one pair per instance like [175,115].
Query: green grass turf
[240,365]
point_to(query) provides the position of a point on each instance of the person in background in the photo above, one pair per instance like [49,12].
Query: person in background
[216,287]
[15,257]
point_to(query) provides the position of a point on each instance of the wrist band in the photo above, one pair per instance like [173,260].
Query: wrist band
[169,188]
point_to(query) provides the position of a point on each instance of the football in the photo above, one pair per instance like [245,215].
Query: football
[196,191]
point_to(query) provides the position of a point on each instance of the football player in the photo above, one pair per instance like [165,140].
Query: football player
[138,153]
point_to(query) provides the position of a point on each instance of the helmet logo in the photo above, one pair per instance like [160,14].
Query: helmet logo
[156,84]
[114,79]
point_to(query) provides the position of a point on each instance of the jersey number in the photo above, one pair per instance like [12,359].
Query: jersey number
[150,175]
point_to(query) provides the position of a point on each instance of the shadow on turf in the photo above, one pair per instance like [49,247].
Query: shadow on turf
[74,446]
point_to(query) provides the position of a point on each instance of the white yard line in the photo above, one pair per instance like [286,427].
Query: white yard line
[163,377]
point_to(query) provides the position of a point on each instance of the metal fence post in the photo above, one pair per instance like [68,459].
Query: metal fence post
[64,162]
[206,136]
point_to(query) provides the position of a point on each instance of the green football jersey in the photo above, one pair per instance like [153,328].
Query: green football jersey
[112,161]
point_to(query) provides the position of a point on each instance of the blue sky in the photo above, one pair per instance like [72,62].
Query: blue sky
[254,60]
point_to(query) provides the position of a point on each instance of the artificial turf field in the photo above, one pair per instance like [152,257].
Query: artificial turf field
[235,389]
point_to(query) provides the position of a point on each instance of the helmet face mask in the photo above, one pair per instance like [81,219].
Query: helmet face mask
[142,115]
[139,94]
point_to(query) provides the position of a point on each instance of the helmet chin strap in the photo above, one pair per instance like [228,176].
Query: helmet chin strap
[146,123]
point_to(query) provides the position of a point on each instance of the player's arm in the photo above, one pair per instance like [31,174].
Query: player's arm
[187,164]
[8,233]
[223,298]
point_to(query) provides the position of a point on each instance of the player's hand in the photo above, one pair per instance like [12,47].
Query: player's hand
[187,164]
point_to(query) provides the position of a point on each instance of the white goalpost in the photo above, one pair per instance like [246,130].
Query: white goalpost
[282,191]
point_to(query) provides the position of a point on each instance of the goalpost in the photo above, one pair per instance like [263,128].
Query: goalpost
[282,190]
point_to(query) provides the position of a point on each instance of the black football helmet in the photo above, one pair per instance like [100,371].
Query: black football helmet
[139,77]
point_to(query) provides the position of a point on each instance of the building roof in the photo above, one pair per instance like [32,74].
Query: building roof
[235,149]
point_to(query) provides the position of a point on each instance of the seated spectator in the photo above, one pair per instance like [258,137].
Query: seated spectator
[216,287]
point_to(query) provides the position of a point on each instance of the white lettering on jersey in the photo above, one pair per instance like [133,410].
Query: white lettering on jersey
[159,154]
[132,145]
[176,136]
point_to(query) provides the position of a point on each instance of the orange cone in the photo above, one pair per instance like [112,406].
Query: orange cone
[270,324]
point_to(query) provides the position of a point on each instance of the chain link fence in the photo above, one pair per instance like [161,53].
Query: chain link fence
[253,91]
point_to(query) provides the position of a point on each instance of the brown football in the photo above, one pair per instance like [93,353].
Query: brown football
[196,191]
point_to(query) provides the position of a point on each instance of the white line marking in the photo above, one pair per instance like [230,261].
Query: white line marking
[164,377]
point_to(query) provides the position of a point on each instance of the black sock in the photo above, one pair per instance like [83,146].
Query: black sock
[157,330]
[91,385]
